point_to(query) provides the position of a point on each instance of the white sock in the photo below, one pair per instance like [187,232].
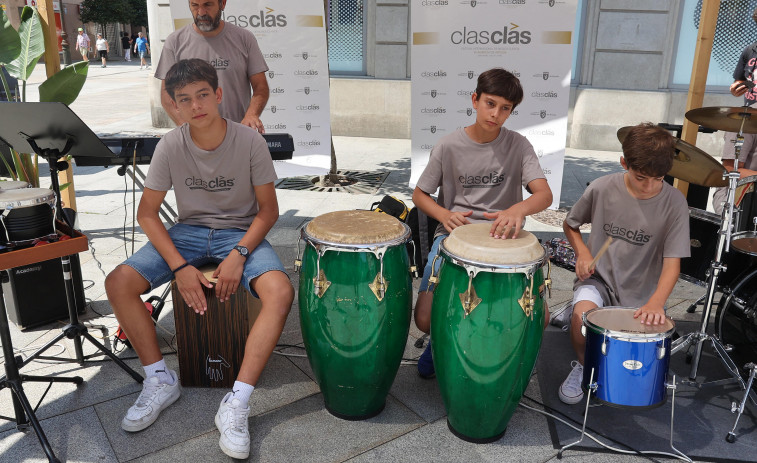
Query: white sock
[242,391]
[160,370]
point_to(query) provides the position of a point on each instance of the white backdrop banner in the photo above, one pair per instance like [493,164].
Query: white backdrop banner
[455,40]
[292,37]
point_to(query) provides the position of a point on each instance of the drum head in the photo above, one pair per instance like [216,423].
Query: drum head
[356,227]
[472,242]
[619,321]
[26,197]
[745,242]
[13,185]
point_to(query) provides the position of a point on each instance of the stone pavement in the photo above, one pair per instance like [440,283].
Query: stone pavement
[288,420]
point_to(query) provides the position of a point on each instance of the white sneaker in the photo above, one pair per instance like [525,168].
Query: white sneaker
[560,316]
[570,391]
[140,68]
[155,397]
[231,421]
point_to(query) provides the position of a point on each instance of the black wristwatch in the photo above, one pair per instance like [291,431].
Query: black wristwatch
[243,251]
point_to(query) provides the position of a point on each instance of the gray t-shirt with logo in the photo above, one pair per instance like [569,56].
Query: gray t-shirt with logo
[480,177]
[235,54]
[213,188]
[644,232]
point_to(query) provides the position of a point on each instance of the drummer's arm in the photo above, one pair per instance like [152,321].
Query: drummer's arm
[229,272]
[583,253]
[431,208]
[189,280]
[653,312]
[728,164]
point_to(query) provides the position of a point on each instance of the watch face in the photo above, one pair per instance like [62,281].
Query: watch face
[242,250]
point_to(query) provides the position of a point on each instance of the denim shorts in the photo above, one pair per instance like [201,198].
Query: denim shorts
[427,269]
[200,246]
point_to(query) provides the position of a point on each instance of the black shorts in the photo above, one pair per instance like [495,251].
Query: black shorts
[102,53]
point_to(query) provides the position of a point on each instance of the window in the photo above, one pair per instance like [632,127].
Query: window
[347,37]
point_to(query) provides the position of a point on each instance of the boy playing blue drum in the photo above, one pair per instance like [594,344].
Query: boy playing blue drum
[222,175]
[480,171]
[649,223]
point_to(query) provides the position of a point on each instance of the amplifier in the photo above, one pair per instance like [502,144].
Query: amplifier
[281,145]
[36,294]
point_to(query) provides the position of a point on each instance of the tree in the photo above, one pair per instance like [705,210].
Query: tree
[104,12]
[138,13]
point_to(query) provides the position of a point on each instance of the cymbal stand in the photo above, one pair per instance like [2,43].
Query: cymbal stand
[697,338]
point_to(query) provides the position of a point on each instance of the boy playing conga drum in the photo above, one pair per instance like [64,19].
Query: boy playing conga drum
[222,175]
[648,221]
[480,171]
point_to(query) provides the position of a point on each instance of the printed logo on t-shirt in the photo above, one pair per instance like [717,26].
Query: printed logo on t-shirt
[219,63]
[490,180]
[635,237]
[215,185]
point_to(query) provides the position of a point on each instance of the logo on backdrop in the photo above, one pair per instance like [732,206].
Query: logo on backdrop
[272,74]
[275,108]
[546,75]
[309,126]
[307,90]
[275,126]
[272,56]
[306,73]
[508,35]
[435,3]
[305,55]
[469,74]
[543,114]
[512,2]
[259,19]
[434,93]
[434,75]
[549,94]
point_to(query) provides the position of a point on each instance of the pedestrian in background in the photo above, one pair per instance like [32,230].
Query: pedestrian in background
[126,45]
[143,48]
[82,44]
[103,47]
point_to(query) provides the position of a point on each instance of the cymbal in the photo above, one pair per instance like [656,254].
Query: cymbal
[691,164]
[725,118]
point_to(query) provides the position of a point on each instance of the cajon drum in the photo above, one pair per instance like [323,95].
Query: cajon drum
[211,346]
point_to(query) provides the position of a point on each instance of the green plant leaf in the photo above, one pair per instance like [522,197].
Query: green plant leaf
[10,42]
[32,45]
[65,85]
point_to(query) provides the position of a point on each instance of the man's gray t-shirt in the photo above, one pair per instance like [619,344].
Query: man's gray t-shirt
[235,54]
[213,188]
[644,232]
[480,177]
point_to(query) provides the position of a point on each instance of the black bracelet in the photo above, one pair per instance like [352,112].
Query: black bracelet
[185,264]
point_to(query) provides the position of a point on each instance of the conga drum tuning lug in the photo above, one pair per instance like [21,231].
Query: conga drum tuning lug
[526,302]
[379,286]
[470,300]
[297,265]
[660,351]
[320,284]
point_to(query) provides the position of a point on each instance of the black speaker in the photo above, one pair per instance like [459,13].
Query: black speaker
[36,294]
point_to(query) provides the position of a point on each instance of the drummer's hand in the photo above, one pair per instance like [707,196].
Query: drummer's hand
[507,223]
[582,267]
[455,219]
[650,315]
[738,88]
[229,273]
[189,282]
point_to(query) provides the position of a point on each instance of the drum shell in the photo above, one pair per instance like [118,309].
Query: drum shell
[355,342]
[27,223]
[747,207]
[484,361]
[618,385]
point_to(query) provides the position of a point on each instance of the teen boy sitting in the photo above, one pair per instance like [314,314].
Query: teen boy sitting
[484,149]
[649,222]
[222,175]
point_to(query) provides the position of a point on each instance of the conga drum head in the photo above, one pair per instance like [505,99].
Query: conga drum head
[26,197]
[472,243]
[13,185]
[357,228]
[618,322]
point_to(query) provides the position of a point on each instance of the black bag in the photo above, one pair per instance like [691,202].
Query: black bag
[392,206]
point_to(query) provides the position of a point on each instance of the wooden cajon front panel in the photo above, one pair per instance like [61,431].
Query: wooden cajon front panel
[211,346]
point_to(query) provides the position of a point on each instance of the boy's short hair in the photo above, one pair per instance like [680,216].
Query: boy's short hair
[649,149]
[189,71]
[502,83]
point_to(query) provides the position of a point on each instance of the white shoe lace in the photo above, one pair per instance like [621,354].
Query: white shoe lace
[148,394]
[573,383]
[238,418]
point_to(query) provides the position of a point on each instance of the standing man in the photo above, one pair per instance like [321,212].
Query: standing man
[232,50]
[82,44]
[126,45]
[142,47]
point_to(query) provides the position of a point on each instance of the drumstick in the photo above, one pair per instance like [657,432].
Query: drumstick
[602,250]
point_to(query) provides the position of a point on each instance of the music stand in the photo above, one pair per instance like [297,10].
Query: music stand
[52,131]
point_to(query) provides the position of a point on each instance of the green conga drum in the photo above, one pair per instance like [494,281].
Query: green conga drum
[486,323]
[355,303]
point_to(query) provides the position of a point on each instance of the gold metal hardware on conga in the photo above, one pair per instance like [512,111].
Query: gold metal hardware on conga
[379,286]
[432,279]
[547,281]
[320,283]
[298,261]
[526,301]
[469,299]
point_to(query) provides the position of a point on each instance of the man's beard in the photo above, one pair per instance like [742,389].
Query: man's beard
[204,26]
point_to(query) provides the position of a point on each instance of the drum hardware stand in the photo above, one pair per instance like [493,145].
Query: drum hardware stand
[738,408]
[592,388]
